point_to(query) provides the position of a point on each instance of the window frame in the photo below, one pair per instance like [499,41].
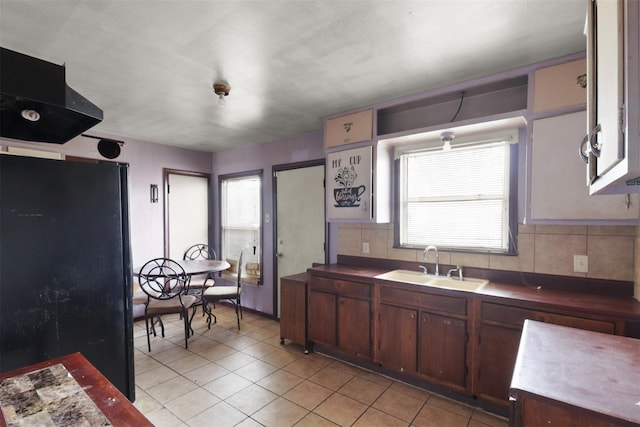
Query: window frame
[258,173]
[512,221]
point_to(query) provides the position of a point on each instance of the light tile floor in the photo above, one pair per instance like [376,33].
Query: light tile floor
[246,378]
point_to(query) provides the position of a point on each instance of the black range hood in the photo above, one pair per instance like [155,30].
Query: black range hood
[37,105]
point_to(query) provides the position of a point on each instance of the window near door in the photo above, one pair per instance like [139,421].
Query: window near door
[460,198]
[241,222]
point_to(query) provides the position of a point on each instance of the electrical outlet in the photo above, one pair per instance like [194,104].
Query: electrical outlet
[365,247]
[580,264]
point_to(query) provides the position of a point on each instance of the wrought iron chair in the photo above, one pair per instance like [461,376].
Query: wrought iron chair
[197,284]
[166,285]
[224,293]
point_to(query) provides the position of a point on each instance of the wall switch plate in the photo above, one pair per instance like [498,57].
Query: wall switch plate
[580,264]
[365,247]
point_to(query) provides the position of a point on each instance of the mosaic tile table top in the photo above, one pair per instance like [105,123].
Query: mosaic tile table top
[48,397]
[64,391]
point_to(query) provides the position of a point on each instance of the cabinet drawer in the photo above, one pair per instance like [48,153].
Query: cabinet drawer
[341,287]
[577,322]
[504,314]
[423,300]
[516,316]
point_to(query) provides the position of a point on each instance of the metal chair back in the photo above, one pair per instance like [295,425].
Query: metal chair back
[163,279]
[200,251]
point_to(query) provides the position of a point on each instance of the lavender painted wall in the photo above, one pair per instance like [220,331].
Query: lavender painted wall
[146,162]
[297,149]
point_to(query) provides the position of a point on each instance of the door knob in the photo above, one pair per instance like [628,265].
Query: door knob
[279,254]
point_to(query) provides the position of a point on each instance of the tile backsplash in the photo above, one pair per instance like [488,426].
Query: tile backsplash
[613,251]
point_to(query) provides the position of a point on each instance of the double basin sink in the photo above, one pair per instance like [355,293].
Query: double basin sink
[419,278]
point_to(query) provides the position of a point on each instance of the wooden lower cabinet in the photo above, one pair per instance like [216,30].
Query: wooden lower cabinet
[426,344]
[323,317]
[397,338]
[354,327]
[498,338]
[443,349]
[497,351]
[340,315]
[461,341]
[533,411]
[293,309]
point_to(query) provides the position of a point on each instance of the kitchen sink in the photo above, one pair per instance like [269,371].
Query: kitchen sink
[418,278]
[468,284]
[407,276]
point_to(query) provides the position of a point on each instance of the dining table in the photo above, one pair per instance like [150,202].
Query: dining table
[191,267]
[195,267]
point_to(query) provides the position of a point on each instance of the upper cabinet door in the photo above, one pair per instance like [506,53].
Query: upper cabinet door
[556,87]
[613,99]
[609,66]
[348,129]
[558,191]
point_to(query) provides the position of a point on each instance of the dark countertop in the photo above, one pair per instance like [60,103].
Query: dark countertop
[355,273]
[588,370]
[521,295]
[299,278]
[625,307]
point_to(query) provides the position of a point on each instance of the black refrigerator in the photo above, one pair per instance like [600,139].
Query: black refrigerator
[65,265]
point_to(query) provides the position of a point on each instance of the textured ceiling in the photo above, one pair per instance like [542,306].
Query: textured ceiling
[150,65]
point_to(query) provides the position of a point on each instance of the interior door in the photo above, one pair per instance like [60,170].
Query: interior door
[300,221]
[187,212]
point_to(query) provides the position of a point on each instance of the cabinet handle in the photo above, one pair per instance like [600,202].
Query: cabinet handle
[594,145]
[413,316]
[583,156]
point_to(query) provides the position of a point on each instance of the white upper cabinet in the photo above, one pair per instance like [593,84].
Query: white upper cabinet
[558,190]
[613,49]
[557,87]
[348,129]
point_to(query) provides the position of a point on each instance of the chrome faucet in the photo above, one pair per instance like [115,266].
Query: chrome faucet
[424,259]
[458,270]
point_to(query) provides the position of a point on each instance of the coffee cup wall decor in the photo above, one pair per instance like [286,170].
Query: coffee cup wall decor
[348,196]
[349,177]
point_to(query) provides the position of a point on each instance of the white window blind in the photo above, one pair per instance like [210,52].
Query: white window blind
[457,198]
[241,208]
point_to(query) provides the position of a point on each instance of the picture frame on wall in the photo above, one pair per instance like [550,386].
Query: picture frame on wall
[349,181]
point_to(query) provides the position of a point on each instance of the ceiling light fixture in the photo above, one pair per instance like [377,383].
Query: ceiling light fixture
[221,90]
[447,137]
[30,115]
